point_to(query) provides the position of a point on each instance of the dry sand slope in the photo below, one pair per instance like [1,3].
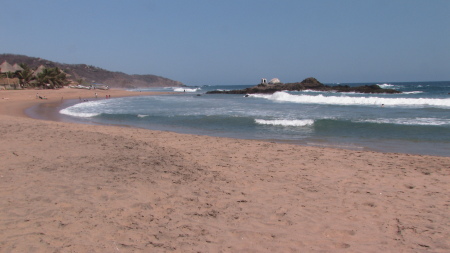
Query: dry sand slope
[82,188]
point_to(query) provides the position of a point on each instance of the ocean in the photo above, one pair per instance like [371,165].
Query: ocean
[416,121]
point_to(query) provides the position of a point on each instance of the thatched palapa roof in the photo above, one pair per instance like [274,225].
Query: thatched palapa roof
[38,70]
[17,67]
[6,67]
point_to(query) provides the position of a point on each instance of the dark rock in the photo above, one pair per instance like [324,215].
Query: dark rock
[309,83]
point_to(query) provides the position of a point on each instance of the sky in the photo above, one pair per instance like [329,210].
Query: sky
[231,42]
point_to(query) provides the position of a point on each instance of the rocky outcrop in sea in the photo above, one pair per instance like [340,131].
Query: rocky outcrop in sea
[310,83]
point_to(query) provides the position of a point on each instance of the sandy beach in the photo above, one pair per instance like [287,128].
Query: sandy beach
[67,187]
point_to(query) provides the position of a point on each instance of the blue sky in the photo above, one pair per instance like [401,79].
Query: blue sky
[200,42]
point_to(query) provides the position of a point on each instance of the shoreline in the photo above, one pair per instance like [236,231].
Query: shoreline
[96,188]
[20,100]
[50,111]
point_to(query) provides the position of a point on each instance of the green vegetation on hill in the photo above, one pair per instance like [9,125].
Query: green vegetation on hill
[22,76]
[87,74]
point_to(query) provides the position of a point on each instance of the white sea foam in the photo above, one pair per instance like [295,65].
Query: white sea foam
[142,115]
[303,122]
[386,85]
[409,121]
[412,92]
[83,110]
[312,91]
[346,100]
[186,89]
[69,112]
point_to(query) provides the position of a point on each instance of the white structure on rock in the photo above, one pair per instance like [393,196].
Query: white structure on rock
[274,81]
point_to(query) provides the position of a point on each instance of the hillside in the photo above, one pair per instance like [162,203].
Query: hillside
[92,74]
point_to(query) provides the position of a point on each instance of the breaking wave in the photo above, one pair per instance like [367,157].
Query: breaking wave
[186,89]
[304,122]
[83,110]
[412,92]
[347,100]
[386,85]
[409,121]
[78,114]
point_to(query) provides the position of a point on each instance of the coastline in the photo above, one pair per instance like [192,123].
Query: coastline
[50,112]
[76,187]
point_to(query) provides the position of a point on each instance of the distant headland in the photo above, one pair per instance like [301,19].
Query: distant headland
[309,83]
[11,74]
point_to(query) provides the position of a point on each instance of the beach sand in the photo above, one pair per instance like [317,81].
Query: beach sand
[68,187]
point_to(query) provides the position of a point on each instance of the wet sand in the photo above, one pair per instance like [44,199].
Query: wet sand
[69,187]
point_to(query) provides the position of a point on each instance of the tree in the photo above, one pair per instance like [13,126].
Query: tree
[25,76]
[80,81]
[51,78]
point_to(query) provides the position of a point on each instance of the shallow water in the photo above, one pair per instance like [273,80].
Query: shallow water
[416,121]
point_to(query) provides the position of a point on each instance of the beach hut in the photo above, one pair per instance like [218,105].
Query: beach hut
[8,82]
[6,67]
[17,67]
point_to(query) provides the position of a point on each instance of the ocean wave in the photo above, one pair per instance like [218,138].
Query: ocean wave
[84,110]
[142,115]
[312,91]
[69,112]
[346,100]
[186,89]
[303,122]
[386,85]
[412,92]
[410,122]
